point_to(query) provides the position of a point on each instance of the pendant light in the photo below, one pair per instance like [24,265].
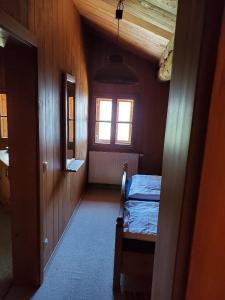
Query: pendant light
[116,71]
[3,37]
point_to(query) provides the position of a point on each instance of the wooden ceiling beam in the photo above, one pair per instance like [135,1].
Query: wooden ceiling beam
[166,60]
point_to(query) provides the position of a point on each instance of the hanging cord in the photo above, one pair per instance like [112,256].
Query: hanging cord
[119,16]
[118,31]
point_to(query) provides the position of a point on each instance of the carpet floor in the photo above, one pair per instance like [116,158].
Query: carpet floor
[82,268]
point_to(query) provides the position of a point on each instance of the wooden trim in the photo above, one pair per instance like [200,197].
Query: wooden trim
[119,233]
[124,180]
[118,254]
[67,78]
[17,30]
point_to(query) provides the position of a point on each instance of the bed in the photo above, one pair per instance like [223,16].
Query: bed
[136,231]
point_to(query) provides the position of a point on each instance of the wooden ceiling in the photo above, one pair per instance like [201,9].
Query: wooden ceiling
[147,25]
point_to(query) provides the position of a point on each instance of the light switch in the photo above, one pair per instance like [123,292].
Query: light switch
[45,166]
[45,242]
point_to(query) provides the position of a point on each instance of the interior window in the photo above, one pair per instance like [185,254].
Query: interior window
[114,120]
[3,116]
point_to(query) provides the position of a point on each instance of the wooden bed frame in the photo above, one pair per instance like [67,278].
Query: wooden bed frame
[132,256]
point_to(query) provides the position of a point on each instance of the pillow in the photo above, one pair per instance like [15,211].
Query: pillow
[145,187]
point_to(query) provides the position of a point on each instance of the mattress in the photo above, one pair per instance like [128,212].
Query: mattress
[143,187]
[141,220]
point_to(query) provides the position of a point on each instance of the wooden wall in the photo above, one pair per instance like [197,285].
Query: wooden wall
[2,71]
[57,27]
[18,9]
[207,266]
[196,40]
[150,107]
[56,24]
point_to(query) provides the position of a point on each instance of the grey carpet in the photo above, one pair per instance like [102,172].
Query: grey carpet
[5,252]
[83,266]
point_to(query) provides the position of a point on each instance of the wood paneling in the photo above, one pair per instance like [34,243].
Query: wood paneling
[207,63]
[2,71]
[18,9]
[191,84]
[147,28]
[207,266]
[150,105]
[57,27]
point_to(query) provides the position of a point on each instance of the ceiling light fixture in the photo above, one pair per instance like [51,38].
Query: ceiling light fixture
[115,71]
[3,37]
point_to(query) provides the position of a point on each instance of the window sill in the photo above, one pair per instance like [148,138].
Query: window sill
[74,165]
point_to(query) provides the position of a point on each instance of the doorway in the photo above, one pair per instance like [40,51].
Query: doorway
[19,188]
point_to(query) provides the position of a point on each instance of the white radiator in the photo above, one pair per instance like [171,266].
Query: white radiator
[107,167]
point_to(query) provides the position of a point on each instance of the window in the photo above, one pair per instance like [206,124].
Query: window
[103,123]
[3,116]
[124,121]
[114,121]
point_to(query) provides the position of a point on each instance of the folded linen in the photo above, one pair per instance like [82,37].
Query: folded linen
[141,217]
[145,187]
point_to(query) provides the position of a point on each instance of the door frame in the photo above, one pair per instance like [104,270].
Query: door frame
[18,32]
[196,42]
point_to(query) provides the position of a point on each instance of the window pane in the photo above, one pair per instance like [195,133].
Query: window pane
[124,110]
[3,105]
[103,109]
[103,132]
[71,108]
[4,127]
[71,131]
[123,133]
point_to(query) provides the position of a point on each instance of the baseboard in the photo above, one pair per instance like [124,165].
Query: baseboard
[62,236]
